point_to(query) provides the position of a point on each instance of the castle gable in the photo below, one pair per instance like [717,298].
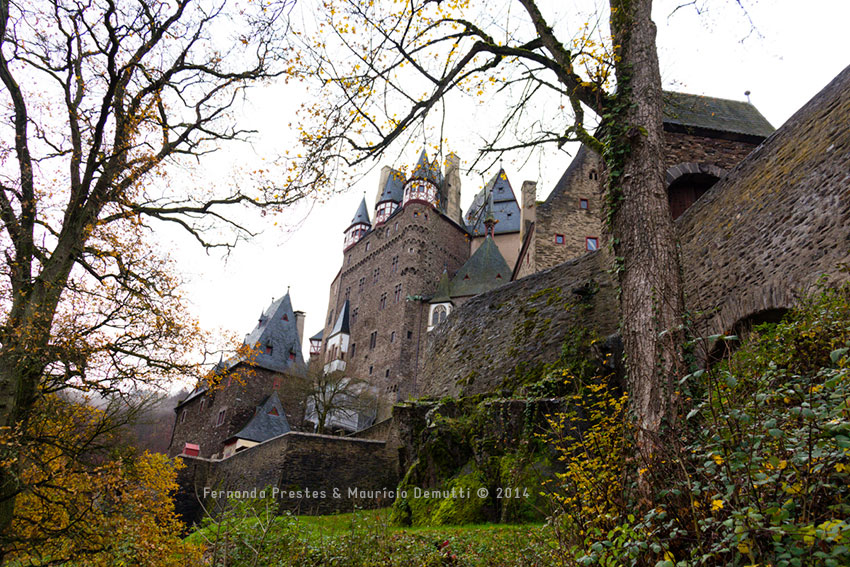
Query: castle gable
[505,207]
[276,335]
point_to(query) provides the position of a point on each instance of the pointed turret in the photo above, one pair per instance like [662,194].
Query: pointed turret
[499,195]
[359,226]
[337,343]
[390,194]
[424,183]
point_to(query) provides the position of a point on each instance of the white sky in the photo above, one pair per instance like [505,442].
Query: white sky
[801,46]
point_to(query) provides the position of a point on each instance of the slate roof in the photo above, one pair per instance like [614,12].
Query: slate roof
[362,214]
[505,207]
[444,290]
[485,270]
[393,189]
[341,325]
[425,169]
[718,114]
[276,328]
[318,336]
[269,421]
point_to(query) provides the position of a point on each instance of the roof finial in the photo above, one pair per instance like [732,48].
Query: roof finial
[489,218]
[747,94]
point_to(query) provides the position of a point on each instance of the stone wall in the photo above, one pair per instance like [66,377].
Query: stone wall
[313,474]
[497,334]
[777,222]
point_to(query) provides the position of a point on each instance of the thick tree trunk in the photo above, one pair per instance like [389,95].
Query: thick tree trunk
[644,240]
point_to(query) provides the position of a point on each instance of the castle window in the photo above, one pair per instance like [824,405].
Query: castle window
[439,315]
[387,373]
[376,275]
[347,292]
[354,313]
[591,243]
[201,407]
[330,316]
[368,245]
[409,334]
[397,293]
[559,239]
[183,416]
[370,370]
[395,264]
[353,350]
[593,175]
[292,355]
[348,259]
[273,411]
[373,339]
[392,337]
[276,383]
[269,349]
[220,419]
[361,284]
[383,302]
[396,226]
[583,204]
[285,317]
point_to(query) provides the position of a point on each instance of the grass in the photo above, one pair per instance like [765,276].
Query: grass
[366,538]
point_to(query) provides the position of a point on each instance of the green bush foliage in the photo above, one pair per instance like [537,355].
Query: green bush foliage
[757,473]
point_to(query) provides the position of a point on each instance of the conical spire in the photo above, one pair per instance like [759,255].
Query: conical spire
[362,214]
[425,169]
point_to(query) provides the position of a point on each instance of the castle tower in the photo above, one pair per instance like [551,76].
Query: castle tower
[359,226]
[390,194]
[504,209]
[424,183]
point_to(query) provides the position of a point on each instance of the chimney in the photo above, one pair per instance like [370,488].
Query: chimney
[452,188]
[382,182]
[299,326]
[528,214]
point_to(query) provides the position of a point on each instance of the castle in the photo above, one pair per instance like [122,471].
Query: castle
[432,302]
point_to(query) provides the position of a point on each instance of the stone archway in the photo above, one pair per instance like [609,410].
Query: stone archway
[687,182]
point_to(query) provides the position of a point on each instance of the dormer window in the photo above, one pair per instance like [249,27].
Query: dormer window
[269,349]
[285,317]
[292,356]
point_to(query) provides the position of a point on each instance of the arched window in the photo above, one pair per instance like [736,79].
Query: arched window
[439,315]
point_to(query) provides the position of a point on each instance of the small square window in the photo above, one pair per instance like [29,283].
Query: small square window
[583,204]
[559,239]
[592,243]
[409,334]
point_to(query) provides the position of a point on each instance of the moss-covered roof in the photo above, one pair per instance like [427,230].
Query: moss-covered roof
[710,113]
[485,270]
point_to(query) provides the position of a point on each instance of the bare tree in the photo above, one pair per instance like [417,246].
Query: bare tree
[383,57]
[337,401]
[100,98]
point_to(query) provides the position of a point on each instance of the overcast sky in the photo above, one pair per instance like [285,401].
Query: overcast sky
[799,48]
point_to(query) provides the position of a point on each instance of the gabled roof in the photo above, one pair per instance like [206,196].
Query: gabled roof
[276,328]
[717,114]
[341,325]
[362,214]
[505,207]
[393,189]
[425,169]
[269,421]
[485,270]
[318,336]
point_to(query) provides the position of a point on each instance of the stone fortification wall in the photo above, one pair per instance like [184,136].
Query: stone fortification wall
[777,222]
[497,334]
[313,474]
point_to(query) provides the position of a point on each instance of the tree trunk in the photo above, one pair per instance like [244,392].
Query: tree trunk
[644,240]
